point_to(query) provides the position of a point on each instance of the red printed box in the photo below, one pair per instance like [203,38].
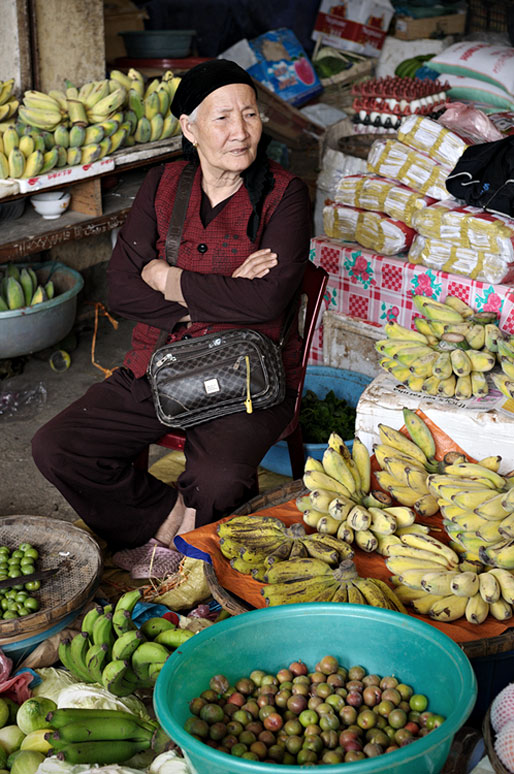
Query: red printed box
[378,288]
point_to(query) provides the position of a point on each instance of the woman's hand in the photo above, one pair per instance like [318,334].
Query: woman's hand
[257,264]
[155,274]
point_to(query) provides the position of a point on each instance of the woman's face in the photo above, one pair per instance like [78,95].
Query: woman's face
[227,129]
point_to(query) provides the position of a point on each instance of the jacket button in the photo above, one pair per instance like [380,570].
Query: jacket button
[202,248]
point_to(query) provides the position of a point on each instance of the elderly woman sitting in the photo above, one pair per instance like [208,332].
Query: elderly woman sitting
[242,254]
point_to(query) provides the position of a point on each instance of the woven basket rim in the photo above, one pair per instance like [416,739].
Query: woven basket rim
[85,580]
[488,734]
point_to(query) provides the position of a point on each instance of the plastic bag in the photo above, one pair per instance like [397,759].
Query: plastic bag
[470,122]
[381,195]
[395,160]
[370,229]
[445,256]
[185,589]
[21,401]
[438,142]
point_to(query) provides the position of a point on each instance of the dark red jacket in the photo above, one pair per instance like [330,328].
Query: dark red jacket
[227,247]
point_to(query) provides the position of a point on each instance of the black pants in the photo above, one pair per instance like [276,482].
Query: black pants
[87,453]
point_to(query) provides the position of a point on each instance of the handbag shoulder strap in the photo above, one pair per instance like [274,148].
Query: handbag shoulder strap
[178,215]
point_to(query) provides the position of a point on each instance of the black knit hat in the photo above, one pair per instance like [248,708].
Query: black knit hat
[203,79]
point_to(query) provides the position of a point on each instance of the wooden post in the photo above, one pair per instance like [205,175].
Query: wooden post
[86,197]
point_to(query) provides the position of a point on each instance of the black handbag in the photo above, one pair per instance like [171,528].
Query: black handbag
[201,378]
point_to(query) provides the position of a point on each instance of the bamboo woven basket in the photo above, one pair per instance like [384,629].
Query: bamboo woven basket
[488,735]
[60,544]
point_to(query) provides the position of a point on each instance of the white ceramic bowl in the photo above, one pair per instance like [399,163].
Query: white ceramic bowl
[51,204]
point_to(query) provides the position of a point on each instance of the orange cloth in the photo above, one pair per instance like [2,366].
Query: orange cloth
[368,565]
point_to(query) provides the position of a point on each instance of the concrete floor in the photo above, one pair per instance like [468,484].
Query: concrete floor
[23,490]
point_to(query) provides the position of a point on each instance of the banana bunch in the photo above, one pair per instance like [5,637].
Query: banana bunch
[254,544]
[19,288]
[42,110]
[111,650]
[448,354]
[477,505]
[99,736]
[446,595]
[8,102]
[312,580]
[408,68]
[505,381]
[151,106]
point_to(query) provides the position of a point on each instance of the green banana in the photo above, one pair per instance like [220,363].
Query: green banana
[124,646]
[65,715]
[148,653]
[143,130]
[155,625]
[102,752]
[172,638]
[128,600]
[97,729]
[96,659]
[122,622]
[103,630]
[115,678]
[89,619]
[14,294]
[78,649]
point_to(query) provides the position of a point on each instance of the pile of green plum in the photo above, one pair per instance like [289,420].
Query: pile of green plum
[17,600]
[328,716]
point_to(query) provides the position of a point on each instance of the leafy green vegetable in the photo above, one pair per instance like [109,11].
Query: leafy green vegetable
[319,417]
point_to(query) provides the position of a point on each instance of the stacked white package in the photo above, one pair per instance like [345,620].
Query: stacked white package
[480,426]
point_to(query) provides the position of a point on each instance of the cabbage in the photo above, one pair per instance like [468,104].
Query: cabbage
[53,681]
[55,766]
[27,762]
[95,696]
[169,763]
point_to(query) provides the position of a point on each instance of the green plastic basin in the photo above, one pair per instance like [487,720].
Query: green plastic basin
[382,641]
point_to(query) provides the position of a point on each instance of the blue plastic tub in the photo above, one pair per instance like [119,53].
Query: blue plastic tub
[347,385]
[382,641]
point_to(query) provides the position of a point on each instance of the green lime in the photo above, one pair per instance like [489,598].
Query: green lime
[418,702]
[3,603]
[21,596]
[27,569]
[25,560]
[24,546]
[32,604]
[10,614]
[32,553]
[14,572]
[33,585]
[17,554]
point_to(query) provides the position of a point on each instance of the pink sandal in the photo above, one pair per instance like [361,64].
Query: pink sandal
[151,560]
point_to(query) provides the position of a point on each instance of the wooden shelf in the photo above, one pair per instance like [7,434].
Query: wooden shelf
[91,212]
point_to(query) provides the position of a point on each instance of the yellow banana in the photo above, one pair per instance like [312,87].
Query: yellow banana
[436,310]
[504,384]
[479,386]
[394,330]
[472,498]
[438,582]
[505,581]
[399,441]
[418,555]
[312,517]
[404,495]
[448,608]
[492,462]
[475,470]
[315,479]
[381,522]
[430,543]
[366,540]
[345,532]
[355,595]
[399,565]
[361,458]
[320,499]
[501,610]
[465,584]
[477,609]
[481,361]
[312,464]
[340,507]
[443,366]
[489,587]
[416,529]
[412,576]
[407,594]
[431,385]
[496,508]
[335,466]
[459,305]
[490,532]
[385,542]
[463,387]
[327,524]
[423,605]
[372,593]
[417,480]
[404,516]
[359,518]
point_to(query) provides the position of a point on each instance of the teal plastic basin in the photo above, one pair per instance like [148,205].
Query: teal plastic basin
[347,385]
[382,641]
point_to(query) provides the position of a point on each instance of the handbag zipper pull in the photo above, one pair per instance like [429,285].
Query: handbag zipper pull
[248,401]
